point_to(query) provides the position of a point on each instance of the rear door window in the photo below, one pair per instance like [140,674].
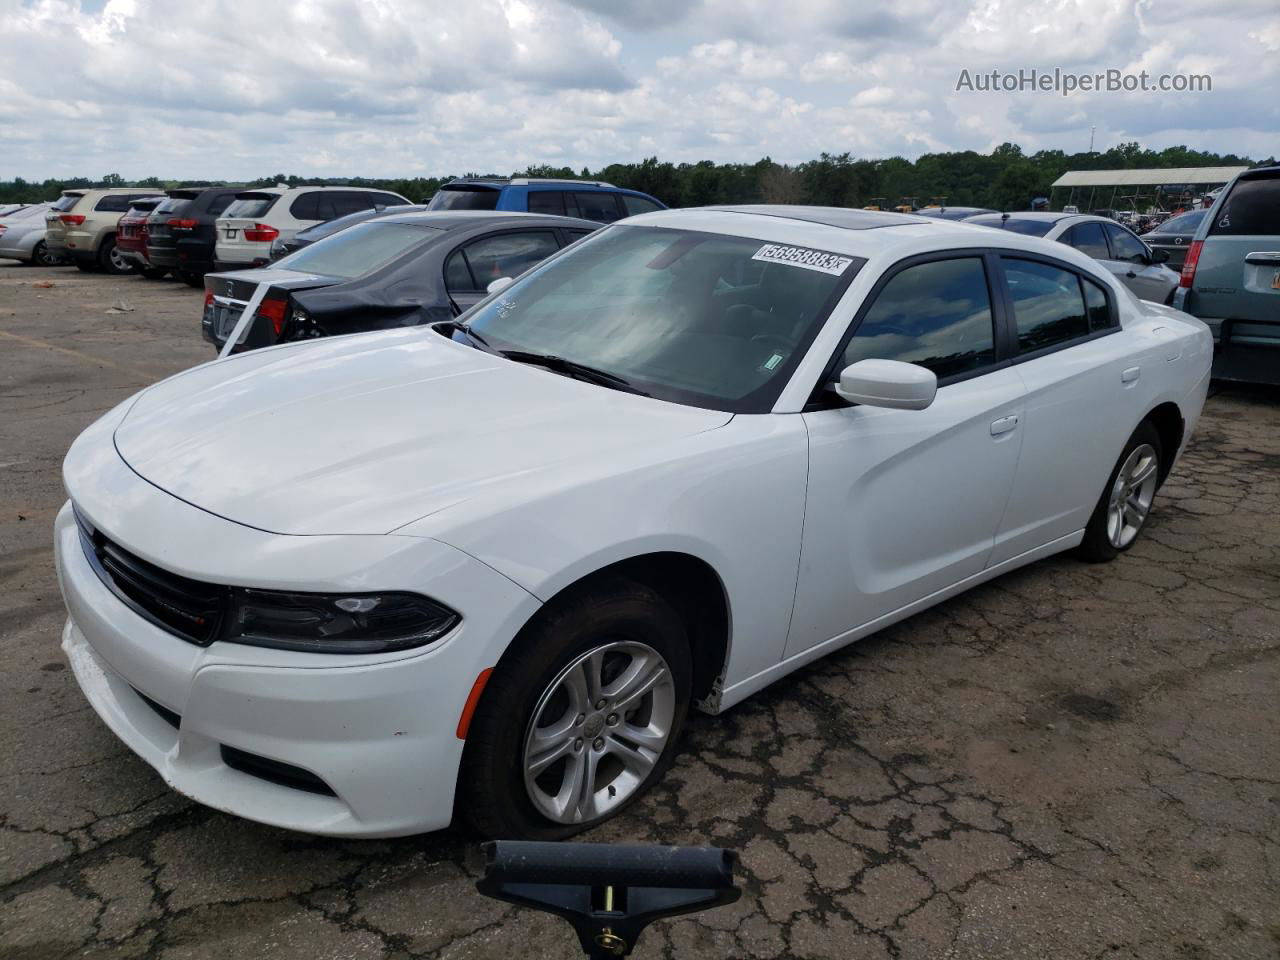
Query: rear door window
[508,254]
[1048,306]
[1252,209]
[349,201]
[1088,239]
[935,314]
[598,205]
[1125,246]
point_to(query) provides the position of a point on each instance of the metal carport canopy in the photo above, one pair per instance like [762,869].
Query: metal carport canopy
[1148,177]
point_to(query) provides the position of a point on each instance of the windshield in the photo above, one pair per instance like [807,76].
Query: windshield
[357,250]
[251,206]
[1032,228]
[465,198]
[696,318]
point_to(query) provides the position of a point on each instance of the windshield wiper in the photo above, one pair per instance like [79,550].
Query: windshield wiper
[470,334]
[573,369]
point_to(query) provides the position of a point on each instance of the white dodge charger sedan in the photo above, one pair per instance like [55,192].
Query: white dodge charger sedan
[355,585]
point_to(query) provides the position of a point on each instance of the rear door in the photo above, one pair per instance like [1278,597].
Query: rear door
[1237,276]
[470,268]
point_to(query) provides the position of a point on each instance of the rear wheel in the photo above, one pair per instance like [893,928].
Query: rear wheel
[580,718]
[1125,504]
[110,260]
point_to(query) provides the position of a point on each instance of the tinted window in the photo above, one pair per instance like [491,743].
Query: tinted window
[648,305]
[577,234]
[465,198]
[306,206]
[172,206]
[599,206]
[637,205]
[1088,239]
[357,250]
[219,203]
[1048,307]
[456,275]
[386,200]
[65,203]
[935,314]
[1096,302]
[1251,209]
[1125,246]
[343,202]
[1032,228]
[114,203]
[547,201]
[508,255]
[252,206]
[1182,223]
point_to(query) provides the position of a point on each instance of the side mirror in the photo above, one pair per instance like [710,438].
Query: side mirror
[500,284]
[1159,256]
[888,383]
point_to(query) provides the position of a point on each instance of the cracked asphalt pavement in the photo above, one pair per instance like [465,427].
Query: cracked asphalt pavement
[1072,761]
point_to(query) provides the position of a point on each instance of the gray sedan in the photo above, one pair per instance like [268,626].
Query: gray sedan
[22,236]
[1118,248]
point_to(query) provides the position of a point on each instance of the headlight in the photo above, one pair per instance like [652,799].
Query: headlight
[337,623]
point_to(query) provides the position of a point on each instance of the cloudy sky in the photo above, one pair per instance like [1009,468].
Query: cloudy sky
[232,89]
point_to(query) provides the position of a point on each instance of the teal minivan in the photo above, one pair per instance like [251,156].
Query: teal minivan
[1231,277]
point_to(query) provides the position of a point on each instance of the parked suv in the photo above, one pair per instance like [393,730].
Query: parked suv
[131,238]
[181,232]
[81,226]
[257,218]
[1231,277]
[586,199]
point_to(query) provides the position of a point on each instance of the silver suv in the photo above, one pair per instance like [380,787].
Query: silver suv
[81,226]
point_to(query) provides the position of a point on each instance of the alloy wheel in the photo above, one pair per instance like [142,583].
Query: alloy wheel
[118,262]
[1131,496]
[598,730]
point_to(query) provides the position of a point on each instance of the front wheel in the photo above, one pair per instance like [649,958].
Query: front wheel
[1125,504]
[580,718]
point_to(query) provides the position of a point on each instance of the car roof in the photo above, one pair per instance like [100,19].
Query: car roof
[842,217]
[1043,216]
[456,219]
[498,183]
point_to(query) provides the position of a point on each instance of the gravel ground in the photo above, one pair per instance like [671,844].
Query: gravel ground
[1072,761]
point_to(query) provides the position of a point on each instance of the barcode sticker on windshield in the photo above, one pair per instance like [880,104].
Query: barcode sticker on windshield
[819,260]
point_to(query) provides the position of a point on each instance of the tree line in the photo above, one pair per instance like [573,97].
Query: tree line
[1005,179]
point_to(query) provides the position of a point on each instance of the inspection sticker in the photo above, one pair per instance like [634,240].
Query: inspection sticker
[831,263]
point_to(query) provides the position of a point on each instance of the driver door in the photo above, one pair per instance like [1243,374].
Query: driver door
[904,503]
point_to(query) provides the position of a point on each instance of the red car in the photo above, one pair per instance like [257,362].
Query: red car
[131,237]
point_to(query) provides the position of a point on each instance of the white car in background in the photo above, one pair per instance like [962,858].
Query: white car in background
[260,217]
[22,233]
[352,585]
[1116,247]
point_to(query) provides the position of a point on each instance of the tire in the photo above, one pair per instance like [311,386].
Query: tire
[87,266]
[615,628]
[41,257]
[153,273]
[190,279]
[109,259]
[1125,504]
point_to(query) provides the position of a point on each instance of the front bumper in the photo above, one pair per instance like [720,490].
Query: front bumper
[378,731]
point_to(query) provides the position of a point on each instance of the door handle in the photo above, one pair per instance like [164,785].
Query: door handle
[1003,425]
[1130,375]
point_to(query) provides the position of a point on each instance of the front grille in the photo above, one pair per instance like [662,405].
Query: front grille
[274,771]
[188,608]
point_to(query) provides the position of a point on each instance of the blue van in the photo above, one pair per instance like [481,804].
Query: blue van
[587,199]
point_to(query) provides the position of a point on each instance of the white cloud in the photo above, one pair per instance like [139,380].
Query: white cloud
[393,87]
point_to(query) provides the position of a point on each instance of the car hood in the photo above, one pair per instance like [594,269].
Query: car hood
[365,434]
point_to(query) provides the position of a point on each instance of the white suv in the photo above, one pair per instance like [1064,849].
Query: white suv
[257,218]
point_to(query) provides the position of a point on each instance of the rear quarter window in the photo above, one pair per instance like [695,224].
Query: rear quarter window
[637,205]
[65,203]
[1252,209]
[114,203]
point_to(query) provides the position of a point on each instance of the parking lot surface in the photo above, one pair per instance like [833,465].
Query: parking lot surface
[1072,761]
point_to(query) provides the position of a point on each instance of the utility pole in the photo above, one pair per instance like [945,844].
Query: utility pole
[1091,130]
